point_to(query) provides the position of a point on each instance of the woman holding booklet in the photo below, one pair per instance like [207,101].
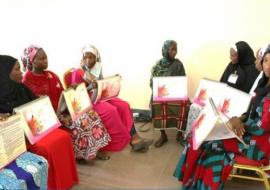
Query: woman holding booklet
[209,166]
[168,66]
[241,74]
[88,132]
[115,113]
[56,146]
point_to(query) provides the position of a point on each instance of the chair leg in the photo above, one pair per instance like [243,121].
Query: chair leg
[266,182]
[265,179]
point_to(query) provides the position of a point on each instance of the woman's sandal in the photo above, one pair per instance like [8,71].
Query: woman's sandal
[81,161]
[102,156]
[141,146]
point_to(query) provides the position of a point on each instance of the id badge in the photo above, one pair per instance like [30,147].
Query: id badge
[233,78]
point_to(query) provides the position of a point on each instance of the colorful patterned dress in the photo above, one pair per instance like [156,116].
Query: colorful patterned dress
[210,165]
[87,132]
[28,171]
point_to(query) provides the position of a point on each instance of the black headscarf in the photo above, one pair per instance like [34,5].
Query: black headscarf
[12,94]
[245,68]
[261,90]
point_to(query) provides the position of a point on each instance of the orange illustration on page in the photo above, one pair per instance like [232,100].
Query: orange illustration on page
[224,108]
[34,125]
[202,95]
[162,91]
[76,105]
[199,121]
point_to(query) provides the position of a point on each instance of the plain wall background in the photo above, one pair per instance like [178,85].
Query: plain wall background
[129,35]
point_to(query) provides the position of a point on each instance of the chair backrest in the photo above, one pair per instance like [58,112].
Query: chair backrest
[71,76]
[67,77]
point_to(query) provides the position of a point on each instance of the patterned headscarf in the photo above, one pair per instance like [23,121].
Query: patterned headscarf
[28,56]
[165,50]
[96,70]
[166,66]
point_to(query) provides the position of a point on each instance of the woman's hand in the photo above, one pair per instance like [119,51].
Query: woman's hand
[74,86]
[238,126]
[4,116]
[94,83]
[65,119]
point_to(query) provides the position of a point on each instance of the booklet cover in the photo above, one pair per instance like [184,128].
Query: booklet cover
[208,88]
[76,100]
[40,118]
[12,142]
[170,88]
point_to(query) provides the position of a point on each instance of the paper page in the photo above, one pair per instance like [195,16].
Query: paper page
[108,88]
[170,88]
[203,125]
[40,118]
[208,88]
[12,142]
[77,101]
[233,102]
[222,129]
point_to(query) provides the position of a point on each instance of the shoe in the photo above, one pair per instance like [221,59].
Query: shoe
[142,145]
[81,161]
[179,136]
[102,156]
[162,140]
[142,150]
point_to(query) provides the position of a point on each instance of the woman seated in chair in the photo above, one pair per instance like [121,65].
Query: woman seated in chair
[115,113]
[55,147]
[210,165]
[240,73]
[43,82]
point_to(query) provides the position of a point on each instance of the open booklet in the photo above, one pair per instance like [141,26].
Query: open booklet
[75,100]
[208,88]
[170,88]
[12,141]
[107,88]
[40,118]
[212,123]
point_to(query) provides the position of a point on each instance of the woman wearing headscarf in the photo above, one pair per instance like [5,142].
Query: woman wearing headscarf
[56,146]
[115,113]
[168,65]
[16,174]
[258,66]
[241,72]
[210,165]
[88,132]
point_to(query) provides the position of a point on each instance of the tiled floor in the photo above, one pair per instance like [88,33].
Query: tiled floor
[151,170]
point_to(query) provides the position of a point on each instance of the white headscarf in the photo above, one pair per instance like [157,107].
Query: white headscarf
[96,69]
[262,50]
[234,47]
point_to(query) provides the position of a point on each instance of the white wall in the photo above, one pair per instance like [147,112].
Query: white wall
[130,34]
